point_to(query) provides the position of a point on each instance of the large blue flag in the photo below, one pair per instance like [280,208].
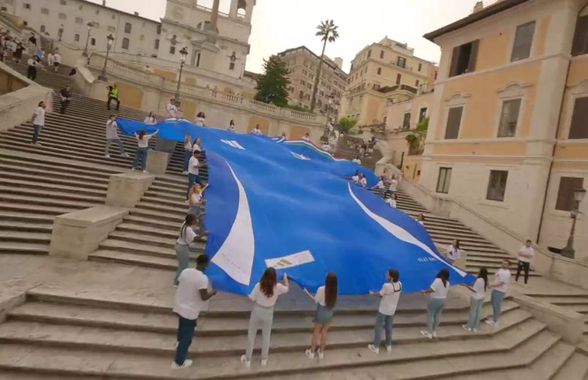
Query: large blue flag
[289,205]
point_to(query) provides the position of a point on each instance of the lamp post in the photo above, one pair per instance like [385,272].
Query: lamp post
[109,41]
[568,250]
[85,53]
[183,56]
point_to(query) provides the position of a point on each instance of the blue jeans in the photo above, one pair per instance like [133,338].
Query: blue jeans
[36,133]
[187,155]
[434,309]
[140,159]
[186,329]
[183,255]
[383,322]
[192,180]
[475,313]
[496,300]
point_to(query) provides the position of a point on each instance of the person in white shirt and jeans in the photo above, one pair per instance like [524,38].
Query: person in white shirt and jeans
[438,291]
[186,238]
[193,173]
[38,121]
[191,298]
[479,289]
[264,295]
[525,256]
[112,137]
[142,146]
[390,295]
[499,288]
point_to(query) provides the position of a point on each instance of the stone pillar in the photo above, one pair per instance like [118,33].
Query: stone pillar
[77,234]
[164,145]
[157,162]
[127,189]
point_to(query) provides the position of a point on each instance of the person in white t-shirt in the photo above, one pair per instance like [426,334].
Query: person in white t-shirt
[200,119]
[171,109]
[392,201]
[356,160]
[264,295]
[499,288]
[186,237]
[193,172]
[355,177]
[390,295]
[477,300]
[256,131]
[453,252]
[150,119]
[38,121]
[56,61]
[525,256]
[194,291]
[195,199]
[306,137]
[142,147]
[438,291]
[112,137]
[187,152]
[363,181]
[325,299]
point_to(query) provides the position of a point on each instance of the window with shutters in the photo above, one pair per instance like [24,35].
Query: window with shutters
[79,20]
[379,71]
[128,27]
[158,30]
[76,37]
[398,78]
[417,82]
[111,29]
[42,29]
[453,122]
[422,114]
[369,53]
[401,62]
[464,58]
[44,11]
[580,45]
[443,180]
[125,43]
[565,194]
[26,6]
[521,48]
[382,54]
[509,118]
[497,185]
[156,45]
[93,41]
[406,121]
[579,126]
[62,16]
[420,67]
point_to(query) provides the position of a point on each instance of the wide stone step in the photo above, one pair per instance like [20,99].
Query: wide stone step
[35,185]
[152,231]
[152,195]
[13,226]
[68,167]
[54,172]
[422,357]
[227,324]
[145,249]
[177,210]
[48,179]
[145,238]
[28,208]
[49,194]
[25,236]
[575,368]
[19,217]
[150,222]
[143,212]
[25,248]
[135,259]
[36,200]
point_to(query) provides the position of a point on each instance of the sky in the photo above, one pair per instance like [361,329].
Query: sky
[282,24]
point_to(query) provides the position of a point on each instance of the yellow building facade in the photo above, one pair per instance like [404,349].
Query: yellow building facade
[508,131]
[377,73]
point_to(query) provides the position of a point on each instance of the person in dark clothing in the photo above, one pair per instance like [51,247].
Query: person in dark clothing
[65,97]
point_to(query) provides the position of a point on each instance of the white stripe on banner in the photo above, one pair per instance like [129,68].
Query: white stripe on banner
[399,232]
[235,256]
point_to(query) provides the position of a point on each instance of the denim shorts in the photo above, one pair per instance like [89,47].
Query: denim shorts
[323,315]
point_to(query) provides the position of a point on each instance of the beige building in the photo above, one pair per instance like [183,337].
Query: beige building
[380,72]
[508,134]
[303,64]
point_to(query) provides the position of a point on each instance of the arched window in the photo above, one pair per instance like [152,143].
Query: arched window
[128,27]
[172,50]
[42,29]
[125,43]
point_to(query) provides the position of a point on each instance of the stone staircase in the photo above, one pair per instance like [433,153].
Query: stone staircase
[79,338]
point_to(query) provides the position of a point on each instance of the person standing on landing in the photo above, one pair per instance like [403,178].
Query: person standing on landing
[231,126]
[113,92]
[150,119]
[264,295]
[499,288]
[112,137]
[325,298]
[525,256]
[187,152]
[142,146]
[479,294]
[390,295]
[453,252]
[191,298]
[438,291]
[38,121]
[193,173]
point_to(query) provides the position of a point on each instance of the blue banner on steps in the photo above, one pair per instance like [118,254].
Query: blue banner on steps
[289,205]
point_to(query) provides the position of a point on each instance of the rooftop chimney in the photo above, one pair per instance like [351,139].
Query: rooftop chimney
[136,13]
[478,7]
[103,3]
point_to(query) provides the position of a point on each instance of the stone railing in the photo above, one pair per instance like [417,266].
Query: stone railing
[553,266]
[132,74]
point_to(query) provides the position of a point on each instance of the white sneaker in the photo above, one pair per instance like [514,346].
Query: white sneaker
[245,361]
[389,348]
[264,362]
[434,335]
[466,328]
[184,172]
[373,349]
[187,364]
[107,155]
[309,354]
[475,331]
[321,355]
[125,155]
[490,321]
[132,169]
[426,334]
[144,171]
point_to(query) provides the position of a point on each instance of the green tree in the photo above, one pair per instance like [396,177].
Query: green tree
[272,86]
[346,124]
[327,31]
[416,140]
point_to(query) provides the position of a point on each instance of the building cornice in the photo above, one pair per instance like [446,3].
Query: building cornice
[193,29]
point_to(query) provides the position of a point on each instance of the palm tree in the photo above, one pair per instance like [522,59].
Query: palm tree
[327,31]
